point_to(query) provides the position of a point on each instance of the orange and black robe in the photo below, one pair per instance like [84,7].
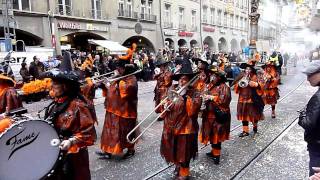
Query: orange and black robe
[9,100]
[179,143]
[270,88]
[249,108]
[164,81]
[213,130]
[121,99]
[77,120]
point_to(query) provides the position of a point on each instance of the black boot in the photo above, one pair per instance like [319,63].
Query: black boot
[255,129]
[209,154]
[103,155]
[243,134]
[176,171]
[128,154]
[216,160]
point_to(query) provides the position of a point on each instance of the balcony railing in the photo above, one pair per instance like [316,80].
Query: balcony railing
[182,26]
[90,14]
[168,25]
[148,17]
[127,14]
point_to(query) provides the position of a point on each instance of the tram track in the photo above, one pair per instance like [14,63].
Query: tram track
[259,154]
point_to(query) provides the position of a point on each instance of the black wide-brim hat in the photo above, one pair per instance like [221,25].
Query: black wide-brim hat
[197,60]
[214,69]
[186,70]
[245,65]
[65,73]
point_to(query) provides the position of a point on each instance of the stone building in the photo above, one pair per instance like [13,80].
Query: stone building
[221,25]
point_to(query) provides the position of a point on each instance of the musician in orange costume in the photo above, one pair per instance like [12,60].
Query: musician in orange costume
[73,117]
[130,53]
[271,82]
[250,104]
[216,117]
[202,65]
[9,100]
[179,143]
[164,82]
[121,100]
[87,66]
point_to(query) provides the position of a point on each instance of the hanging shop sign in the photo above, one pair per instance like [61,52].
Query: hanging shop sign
[185,34]
[208,29]
[168,32]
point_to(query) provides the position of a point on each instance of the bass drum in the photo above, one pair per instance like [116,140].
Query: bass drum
[29,150]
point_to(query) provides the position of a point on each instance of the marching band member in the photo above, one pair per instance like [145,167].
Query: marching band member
[87,66]
[216,117]
[179,142]
[164,82]
[121,113]
[73,118]
[271,91]
[9,100]
[250,104]
[202,65]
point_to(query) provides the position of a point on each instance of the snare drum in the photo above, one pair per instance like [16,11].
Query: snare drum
[29,150]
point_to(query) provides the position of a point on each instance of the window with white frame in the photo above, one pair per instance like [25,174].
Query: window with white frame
[219,17]
[231,20]
[236,22]
[181,16]
[167,14]
[22,5]
[129,8]
[212,15]
[149,8]
[121,7]
[143,10]
[64,7]
[225,19]
[193,18]
[96,9]
[205,15]
[241,23]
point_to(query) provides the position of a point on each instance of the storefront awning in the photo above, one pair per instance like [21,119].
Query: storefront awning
[113,47]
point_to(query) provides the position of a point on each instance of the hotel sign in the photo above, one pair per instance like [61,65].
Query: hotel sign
[81,26]
[68,25]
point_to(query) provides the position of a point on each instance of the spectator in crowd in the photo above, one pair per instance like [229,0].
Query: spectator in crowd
[36,67]
[310,118]
[24,72]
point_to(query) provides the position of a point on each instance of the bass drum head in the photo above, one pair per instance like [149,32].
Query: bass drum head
[28,150]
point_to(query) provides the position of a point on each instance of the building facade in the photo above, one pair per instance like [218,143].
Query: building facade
[218,24]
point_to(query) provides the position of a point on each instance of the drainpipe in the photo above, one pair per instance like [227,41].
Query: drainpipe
[160,21]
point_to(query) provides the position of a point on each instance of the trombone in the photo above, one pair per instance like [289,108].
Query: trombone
[113,79]
[99,78]
[178,92]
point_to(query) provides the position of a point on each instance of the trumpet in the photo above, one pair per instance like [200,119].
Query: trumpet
[165,100]
[244,81]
